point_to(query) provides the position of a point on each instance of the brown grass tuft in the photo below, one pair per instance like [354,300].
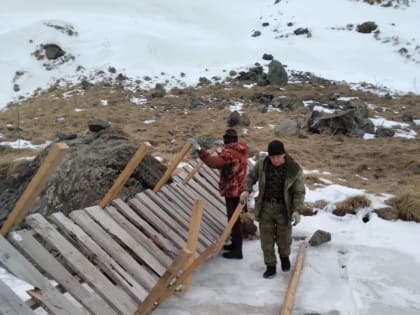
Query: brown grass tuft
[407,206]
[310,208]
[389,214]
[350,205]
[311,180]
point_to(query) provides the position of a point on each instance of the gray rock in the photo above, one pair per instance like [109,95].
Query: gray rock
[320,237]
[98,125]
[277,75]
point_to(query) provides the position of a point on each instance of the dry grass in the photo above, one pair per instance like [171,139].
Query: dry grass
[350,205]
[378,165]
[407,206]
[311,208]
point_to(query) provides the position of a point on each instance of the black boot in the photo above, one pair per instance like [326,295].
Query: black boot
[228,247]
[270,272]
[234,254]
[285,263]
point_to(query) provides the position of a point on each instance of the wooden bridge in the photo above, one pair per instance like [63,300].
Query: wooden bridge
[118,257]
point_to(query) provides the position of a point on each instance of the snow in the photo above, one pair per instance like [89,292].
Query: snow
[160,40]
[367,268]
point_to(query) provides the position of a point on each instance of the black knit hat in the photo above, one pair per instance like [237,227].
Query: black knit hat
[276,147]
[230,136]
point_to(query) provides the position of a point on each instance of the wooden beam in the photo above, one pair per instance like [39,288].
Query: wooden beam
[213,248]
[35,186]
[193,172]
[196,216]
[126,173]
[179,157]
[287,306]
[230,225]
[162,284]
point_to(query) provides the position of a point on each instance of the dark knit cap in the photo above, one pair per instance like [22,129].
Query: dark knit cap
[276,147]
[230,136]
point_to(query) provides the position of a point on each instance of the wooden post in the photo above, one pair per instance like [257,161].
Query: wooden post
[126,173]
[197,214]
[232,221]
[35,186]
[180,156]
[286,308]
[213,248]
[192,173]
[163,282]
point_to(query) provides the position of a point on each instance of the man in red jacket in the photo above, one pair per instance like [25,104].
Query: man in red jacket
[232,163]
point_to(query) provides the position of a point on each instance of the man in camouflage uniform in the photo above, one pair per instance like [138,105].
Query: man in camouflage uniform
[233,164]
[281,196]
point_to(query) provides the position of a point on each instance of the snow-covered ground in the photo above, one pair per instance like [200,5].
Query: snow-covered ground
[161,39]
[367,268]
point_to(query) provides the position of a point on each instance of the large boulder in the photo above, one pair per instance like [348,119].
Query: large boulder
[88,170]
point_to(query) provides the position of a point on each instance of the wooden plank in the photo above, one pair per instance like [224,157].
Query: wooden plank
[116,297]
[99,257]
[118,232]
[215,213]
[35,186]
[169,221]
[24,240]
[162,284]
[183,205]
[213,248]
[10,303]
[197,214]
[147,229]
[157,252]
[126,173]
[103,239]
[176,214]
[287,305]
[215,222]
[18,265]
[157,223]
[178,158]
[182,192]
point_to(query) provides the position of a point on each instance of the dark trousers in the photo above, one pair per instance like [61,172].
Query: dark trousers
[236,233]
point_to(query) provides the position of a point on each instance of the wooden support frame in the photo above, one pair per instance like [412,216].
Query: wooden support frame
[35,186]
[192,173]
[164,281]
[179,157]
[287,305]
[126,173]
[195,224]
[213,248]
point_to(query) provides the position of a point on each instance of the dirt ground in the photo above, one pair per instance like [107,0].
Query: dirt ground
[380,165]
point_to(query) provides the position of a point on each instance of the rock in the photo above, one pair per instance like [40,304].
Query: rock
[320,237]
[89,169]
[367,27]
[287,127]
[98,125]
[53,51]
[382,132]
[277,75]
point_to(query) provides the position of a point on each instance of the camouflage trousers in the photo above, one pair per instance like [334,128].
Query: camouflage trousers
[274,228]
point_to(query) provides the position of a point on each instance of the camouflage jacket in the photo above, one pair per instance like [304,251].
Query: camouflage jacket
[233,164]
[294,187]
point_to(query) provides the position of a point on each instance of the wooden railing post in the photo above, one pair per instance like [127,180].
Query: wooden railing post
[35,186]
[179,157]
[163,282]
[197,214]
[126,173]
[287,305]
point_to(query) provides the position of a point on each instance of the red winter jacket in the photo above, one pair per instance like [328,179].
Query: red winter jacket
[232,163]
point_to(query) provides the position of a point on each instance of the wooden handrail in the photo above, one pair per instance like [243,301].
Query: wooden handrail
[287,306]
[179,157]
[125,174]
[35,186]
[195,224]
